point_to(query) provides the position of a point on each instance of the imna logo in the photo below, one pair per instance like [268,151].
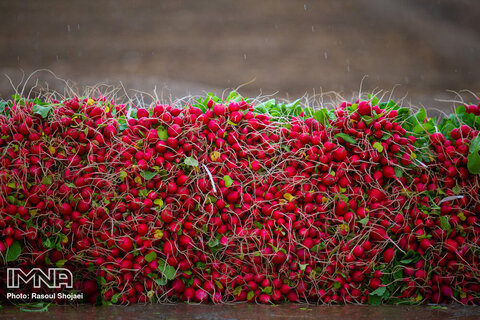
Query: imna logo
[54,278]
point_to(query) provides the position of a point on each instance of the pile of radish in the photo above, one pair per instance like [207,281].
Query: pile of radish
[229,201]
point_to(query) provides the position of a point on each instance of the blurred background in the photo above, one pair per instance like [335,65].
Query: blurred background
[418,49]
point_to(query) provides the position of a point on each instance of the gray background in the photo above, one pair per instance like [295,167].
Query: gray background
[420,48]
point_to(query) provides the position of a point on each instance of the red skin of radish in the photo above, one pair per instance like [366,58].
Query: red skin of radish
[388,255]
[340,154]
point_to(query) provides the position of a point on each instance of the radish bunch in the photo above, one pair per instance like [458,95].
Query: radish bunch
[227,201]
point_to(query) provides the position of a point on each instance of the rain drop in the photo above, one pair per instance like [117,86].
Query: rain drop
[78,26]
[325,54]
[406,79]
[68,27]
[245,56]
[313,28]
[305,7]
[57,58]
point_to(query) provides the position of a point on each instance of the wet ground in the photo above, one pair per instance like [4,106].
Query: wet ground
[243,311]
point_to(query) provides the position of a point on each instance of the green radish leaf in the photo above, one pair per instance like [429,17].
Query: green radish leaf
[259,225]
[345,137]
[308,112]
[303,266]
[36,307]
[398,172]
[265,106]
[115,297]
[421,115]
[162,133]
[234,97]
[213,243]
[237,291]
[318,247]
[47,180]
[161,281]
[149,257]
[43,111]
[374,100]
[377,145]
[167,270]
[267,290]
[148,175]
[473,159]
[228,181]
[14,251]
[158,202]
[380,291]
[192,162]
[364,221]
[410,257]
[250,295]
[123,175]
[3,106]
[445,224]
[337,285]
[321,116]
[461,110]
[60,263]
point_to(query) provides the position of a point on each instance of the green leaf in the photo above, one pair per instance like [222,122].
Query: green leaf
[213,242]
[377,145]
[234,97]
[318,247]
[60,263]
[43,111]
[123,175]
[189,161]
[115,297]
[364,221]
[303,266]
[149,257]
[267,290]
[321,116]
[162,133]
[345,137]
[3,106]
[148,175]
[265,106]
[421,115]
[308,112]
[14,251]
[473,158]
[161,281]
[47,180]
[228,181]
[237,291]
[445,224]
[250,295]
[373,100]
[158,202]
[398,172]
[380,291]
[167,270]
[337,285]
[36,307]
[410,257]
